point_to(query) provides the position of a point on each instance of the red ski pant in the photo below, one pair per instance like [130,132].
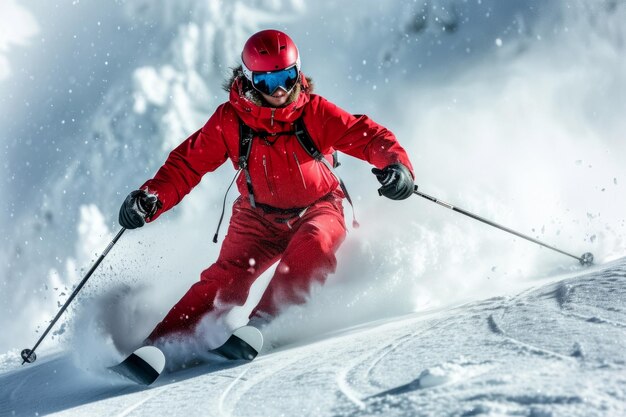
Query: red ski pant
[255,240]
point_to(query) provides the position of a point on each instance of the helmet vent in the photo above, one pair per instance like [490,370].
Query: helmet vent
[263,52]
[282,47]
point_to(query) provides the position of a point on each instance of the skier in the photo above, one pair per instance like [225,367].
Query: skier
[290,204]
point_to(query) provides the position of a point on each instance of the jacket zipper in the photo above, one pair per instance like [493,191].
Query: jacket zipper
[267,177]
[299,169]
[272,118]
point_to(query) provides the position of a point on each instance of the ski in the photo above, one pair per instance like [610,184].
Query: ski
[143,366]
[244,344]
[146,364]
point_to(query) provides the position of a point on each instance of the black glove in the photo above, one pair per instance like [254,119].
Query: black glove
[397,181]
[138,206]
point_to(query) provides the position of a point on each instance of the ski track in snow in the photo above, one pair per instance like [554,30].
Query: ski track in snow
[345,374]
[351,372]
[221,406]
[347,390]
[611,275]
[552,349]
[504,307]
[496,328]
[493,325]
[385,352]
[132,408]
[232,396]
[595,319]
[558,301]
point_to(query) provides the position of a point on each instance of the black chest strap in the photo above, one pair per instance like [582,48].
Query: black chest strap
[307,143]
[246,134]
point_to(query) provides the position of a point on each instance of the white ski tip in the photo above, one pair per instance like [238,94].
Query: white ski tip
[152,356]
[143,366]
[250,335]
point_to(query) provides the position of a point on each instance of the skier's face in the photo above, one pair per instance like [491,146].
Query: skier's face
[278,99]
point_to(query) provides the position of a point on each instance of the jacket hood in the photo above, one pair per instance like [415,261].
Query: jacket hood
[250,107]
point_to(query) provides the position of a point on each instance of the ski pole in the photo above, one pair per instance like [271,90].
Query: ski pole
[28,355]
[585,259]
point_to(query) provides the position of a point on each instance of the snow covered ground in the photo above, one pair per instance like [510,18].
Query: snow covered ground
[553,349]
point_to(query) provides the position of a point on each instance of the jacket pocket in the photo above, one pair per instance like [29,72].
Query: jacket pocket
[299,170]
[267,176]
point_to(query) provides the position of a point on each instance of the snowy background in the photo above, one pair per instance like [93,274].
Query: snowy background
[512,110]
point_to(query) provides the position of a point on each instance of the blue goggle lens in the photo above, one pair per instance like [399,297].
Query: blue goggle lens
[268,82]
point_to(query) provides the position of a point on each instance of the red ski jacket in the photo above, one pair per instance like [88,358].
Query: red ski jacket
[282,172]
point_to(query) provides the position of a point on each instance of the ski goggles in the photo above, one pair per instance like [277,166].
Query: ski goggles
[269,82]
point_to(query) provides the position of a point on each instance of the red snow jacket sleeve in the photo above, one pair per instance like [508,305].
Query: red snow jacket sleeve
[359,136]
[202,152]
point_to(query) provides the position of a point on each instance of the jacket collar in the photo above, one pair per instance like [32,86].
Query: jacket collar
[269,119]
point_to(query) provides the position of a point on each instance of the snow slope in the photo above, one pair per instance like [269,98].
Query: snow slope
[554,349]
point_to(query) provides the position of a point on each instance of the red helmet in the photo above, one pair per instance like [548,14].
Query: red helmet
[269,50]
